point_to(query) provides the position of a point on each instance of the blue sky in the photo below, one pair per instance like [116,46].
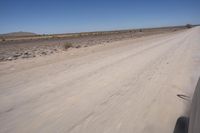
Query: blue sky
[62,16]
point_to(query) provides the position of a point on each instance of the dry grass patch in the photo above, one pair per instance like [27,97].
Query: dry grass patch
[68,45]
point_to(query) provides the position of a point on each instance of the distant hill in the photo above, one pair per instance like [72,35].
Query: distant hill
[17,34]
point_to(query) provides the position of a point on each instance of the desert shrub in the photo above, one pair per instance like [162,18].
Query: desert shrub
[140,30]
[54,36]
[188,26]
[68,45]
[77,46]
[80,35]
[3,39]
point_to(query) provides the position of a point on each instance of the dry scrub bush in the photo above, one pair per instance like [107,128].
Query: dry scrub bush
[68,45]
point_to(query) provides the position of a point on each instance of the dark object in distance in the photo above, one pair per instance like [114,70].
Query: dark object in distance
[188,26]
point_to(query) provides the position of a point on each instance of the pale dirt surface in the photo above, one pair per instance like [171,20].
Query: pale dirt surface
[129,86]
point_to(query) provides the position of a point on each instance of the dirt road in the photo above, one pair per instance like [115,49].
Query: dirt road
[124,87]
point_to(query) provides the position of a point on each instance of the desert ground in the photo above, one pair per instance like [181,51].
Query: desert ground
[18,46]
[129,85]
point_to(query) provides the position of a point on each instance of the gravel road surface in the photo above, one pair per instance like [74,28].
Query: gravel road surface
[128,86]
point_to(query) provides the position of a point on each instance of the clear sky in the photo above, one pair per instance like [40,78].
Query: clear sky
[62,16]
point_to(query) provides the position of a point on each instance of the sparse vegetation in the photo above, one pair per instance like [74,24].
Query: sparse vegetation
[188,26]
[55,36]
[3,39]
[53,43]
[78,46]
[68,45]
[80,35]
